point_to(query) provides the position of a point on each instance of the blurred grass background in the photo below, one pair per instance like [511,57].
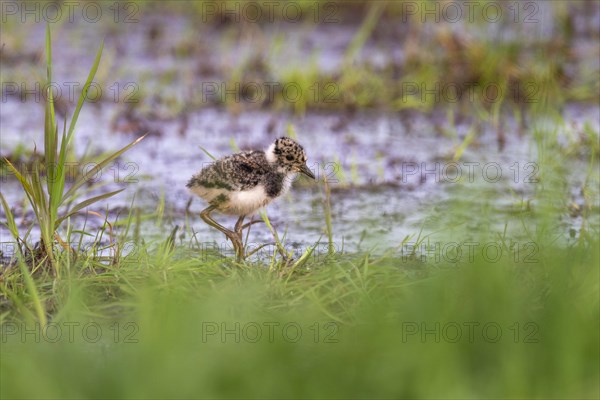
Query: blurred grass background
[379,56]
[393,336]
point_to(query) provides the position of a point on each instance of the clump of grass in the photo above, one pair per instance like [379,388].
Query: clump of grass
[48,203]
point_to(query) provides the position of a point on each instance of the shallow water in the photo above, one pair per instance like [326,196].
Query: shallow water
[392,175]
[398,178]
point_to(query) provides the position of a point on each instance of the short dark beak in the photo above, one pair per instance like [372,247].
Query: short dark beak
[304,169]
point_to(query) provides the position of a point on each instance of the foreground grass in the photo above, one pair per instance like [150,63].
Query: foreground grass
[181,324]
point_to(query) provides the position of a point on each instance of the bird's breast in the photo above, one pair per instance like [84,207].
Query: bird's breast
[246,202]
[276,184]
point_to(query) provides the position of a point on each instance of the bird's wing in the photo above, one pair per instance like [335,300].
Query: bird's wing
[236,172]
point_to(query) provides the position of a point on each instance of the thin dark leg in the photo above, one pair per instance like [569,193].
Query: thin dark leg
[244,226]
[238,225]
[238,232]
[233,236]
[258,221]
[205,215]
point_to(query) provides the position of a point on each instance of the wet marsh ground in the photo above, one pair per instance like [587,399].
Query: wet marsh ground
[453,251]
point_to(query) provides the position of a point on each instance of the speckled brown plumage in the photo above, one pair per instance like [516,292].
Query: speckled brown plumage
[241,183]
[240,171]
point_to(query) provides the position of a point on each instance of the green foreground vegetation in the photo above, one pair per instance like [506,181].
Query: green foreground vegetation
[166,320]
[175,325]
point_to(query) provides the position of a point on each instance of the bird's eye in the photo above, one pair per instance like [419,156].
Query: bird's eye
[289,158]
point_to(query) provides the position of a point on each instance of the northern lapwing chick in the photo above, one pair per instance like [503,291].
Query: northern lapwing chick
[242,183]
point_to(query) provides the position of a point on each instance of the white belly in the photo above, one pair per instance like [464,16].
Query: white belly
[238,202]
[248,201]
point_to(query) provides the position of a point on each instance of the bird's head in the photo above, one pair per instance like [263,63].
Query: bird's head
[289,157]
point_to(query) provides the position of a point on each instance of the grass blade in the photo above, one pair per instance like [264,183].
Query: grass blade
[50,136]
[10,219]
[83,94]
[86,203]
[58,178]
[23,180]
[207,153]
[34,293]
[48,54]
[73,189]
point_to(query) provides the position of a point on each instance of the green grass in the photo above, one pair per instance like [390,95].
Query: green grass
[48,203]
[372,314]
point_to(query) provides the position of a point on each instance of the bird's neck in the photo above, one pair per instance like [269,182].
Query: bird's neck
[273,162]
[270,154]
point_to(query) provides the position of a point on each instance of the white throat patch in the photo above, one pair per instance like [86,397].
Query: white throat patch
[270,153]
